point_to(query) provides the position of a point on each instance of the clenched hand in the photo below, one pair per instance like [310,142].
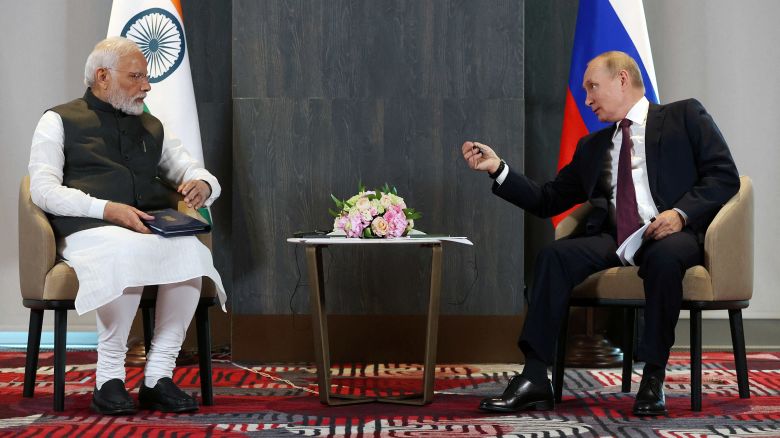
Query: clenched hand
[480,156]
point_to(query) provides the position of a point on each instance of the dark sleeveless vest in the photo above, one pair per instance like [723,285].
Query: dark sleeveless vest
[110,155]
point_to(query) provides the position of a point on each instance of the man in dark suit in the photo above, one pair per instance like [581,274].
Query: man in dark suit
[664,164]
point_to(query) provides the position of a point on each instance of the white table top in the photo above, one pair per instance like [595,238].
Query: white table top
[359,241]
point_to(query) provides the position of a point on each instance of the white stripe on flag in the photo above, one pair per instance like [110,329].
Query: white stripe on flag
[632,14]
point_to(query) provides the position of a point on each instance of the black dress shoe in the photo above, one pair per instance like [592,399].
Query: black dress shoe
[520,395]
[650,398]
[112,399]
[166,397]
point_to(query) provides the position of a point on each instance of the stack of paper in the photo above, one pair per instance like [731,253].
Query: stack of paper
[630,246]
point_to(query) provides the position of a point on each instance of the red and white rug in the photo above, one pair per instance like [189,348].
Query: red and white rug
[281,400]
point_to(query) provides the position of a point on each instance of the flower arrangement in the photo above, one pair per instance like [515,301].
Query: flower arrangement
[373,214]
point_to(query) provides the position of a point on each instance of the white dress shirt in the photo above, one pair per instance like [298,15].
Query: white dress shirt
[644,199]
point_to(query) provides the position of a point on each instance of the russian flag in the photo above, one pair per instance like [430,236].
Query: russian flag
[602,25]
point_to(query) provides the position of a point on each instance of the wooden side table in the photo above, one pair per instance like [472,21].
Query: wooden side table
[320,323]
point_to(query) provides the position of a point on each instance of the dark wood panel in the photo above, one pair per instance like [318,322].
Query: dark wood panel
[378,48]
[331,92]
[207,25]
[292,154]
[277,48]
[379,339]
[549,39]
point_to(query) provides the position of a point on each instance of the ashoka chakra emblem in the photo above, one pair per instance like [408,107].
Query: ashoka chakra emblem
[160,36]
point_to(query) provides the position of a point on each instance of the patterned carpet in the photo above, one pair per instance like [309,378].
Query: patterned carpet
[281,402]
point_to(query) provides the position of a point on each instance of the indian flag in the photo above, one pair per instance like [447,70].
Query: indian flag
[156,26]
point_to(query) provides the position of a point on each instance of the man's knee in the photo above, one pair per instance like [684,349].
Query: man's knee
[670,256]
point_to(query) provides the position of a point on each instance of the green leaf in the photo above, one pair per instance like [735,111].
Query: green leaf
[367,232]
[334,213]
[339,203]
[361,187]
[411,213]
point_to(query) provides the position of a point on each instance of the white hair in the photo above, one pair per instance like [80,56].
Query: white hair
[106,54]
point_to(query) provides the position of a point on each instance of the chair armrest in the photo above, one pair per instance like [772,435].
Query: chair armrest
[574,222]
[37,247]
[728,246]
[208,289]
[204,238]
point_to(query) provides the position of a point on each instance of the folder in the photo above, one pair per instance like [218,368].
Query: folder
[172,223]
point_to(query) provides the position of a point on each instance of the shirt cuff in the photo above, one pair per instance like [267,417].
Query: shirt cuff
[683,215]
[500,178]
[96,208]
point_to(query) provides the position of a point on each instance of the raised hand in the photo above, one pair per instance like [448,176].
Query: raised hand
[480,156]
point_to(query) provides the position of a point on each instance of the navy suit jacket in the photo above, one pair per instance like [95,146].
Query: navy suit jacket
[689,167]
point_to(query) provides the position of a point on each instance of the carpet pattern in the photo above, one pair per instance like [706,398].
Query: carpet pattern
[281,400]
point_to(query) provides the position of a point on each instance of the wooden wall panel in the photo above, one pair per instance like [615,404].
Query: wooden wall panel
[327,93]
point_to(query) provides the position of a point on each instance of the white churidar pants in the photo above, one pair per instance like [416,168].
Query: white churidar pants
[174,309]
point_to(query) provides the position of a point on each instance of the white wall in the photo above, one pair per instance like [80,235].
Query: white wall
[727,54]
[43,47]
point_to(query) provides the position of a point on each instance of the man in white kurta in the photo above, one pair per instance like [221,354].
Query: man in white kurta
[95,164]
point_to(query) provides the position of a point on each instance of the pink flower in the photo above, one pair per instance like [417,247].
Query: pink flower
[379,226]
[396,220]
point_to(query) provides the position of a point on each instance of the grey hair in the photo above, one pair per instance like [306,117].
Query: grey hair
[106,54]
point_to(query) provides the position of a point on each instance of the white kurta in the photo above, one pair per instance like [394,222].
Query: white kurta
[109,259]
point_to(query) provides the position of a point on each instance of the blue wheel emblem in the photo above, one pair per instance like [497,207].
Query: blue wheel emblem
[161,38]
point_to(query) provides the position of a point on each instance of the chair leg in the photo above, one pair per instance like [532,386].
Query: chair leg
[204,354]
[696,360]
[33,348]
[560,358]
[60,339]
[148,321]
[740,357]
[629,320]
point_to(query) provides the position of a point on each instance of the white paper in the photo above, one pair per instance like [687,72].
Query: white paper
[631,245]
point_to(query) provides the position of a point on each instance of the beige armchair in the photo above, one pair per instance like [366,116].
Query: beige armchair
[724,282]
[50,284]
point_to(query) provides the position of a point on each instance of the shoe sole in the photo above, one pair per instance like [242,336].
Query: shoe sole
[166,409]
[119,411]
[545,405]
[650,413]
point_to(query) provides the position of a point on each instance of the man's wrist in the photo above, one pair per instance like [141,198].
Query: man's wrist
[494,174]
[209,186]
[683,216]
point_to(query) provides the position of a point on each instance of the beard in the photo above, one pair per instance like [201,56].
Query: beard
[124,103]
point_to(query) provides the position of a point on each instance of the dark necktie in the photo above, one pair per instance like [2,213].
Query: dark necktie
[627,212]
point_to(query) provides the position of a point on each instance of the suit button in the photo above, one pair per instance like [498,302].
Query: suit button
[127,157]
[140,197]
